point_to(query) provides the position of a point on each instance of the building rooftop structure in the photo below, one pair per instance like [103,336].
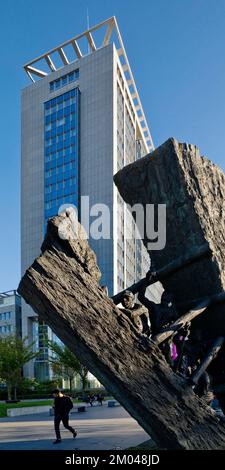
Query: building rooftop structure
[5,296]
[71,50]
[8,293]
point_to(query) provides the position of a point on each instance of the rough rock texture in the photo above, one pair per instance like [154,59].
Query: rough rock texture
[62,287]
[193,189]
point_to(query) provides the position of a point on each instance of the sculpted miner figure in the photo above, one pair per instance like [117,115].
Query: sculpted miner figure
[160,314]
[136,312]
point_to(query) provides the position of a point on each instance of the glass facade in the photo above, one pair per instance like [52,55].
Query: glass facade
[61,182]
[41,333]
[61,172]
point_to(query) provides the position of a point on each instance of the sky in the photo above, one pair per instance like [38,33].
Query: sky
[176,49]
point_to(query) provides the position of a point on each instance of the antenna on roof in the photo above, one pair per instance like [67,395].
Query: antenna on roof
[88,27]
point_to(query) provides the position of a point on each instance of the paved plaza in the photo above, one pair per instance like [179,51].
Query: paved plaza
[99,427]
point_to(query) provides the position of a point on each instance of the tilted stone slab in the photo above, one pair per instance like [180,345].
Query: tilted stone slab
[193,189]
[63,289]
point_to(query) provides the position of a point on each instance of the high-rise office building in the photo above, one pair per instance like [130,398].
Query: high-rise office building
[82,120]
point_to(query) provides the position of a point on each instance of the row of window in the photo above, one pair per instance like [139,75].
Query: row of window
[60,99]
[59,138]
[65,152]
[54,180]
[60,185]
[61,165]
[66,149]
[69,109]
[63,81]
[60,170]
[5,316]
[59,122]
[60,106]
[6,329]
[69,198]
[55,147]
[69,128]
[63,188]
[68,191]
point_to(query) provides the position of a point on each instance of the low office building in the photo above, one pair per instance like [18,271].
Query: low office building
[10,313]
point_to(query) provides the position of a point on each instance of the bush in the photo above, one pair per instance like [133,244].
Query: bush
[30,389]
[47,386]
[27,386]
[82,394]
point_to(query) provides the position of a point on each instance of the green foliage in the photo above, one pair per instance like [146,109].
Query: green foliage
[65,363]
[81,394]
[32,386]
[27,385]
[14,353]
[47,386]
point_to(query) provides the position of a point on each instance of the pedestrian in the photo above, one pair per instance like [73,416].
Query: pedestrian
[91,399]
[100,398]
[62,406]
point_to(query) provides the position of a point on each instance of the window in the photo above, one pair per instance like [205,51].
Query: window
[63,81]
[48,127]
[59,106]
[48,205]
[48,190]
[48,142]
[5,329]
[57,84]
[47,112]
[71,76]
[72,181]
[60,122]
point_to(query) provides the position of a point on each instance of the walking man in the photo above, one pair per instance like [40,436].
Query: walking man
[62,406]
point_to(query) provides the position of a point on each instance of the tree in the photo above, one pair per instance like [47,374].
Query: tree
[66,363]
[14,353]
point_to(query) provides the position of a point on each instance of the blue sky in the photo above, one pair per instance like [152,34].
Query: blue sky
[176,50]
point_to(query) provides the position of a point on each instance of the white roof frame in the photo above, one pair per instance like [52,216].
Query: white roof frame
[111,26]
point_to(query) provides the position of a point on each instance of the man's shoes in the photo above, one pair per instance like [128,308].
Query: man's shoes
[57,441]
[74,434]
